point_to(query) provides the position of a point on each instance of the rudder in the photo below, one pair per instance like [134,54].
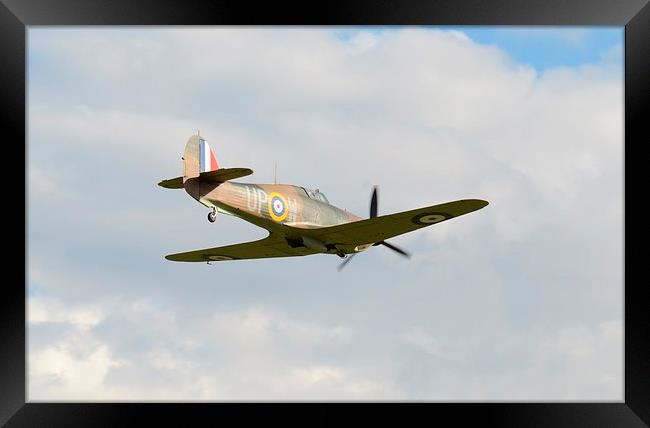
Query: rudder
[198,157]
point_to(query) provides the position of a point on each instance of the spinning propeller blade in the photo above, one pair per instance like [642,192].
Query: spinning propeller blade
[396,249]
[373,213]
[373,203]
[348,258]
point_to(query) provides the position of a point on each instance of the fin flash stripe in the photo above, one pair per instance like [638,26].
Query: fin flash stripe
[207,161]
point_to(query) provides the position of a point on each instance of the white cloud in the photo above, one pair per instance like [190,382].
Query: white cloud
[422,340]
[594,355]
[428,115]
[43,310]
[80,364]
[72,369]
[361,42]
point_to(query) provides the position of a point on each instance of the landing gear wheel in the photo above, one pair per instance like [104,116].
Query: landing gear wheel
[212,216]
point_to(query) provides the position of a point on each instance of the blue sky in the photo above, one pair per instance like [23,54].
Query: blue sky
[540,47]
[521,300]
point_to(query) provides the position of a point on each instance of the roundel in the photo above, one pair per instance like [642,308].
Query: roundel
[430,218]
[215,257]
[278,208]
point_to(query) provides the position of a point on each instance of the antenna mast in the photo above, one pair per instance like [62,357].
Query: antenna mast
[275,174]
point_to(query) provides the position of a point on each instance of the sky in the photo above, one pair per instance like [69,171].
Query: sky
[520,301]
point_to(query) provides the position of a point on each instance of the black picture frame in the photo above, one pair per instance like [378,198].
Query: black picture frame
[16,15]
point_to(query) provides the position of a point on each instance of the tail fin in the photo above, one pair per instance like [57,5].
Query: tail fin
[198,158]
[200,166]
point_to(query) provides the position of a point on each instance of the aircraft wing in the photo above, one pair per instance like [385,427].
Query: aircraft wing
[272,246]
[383,227]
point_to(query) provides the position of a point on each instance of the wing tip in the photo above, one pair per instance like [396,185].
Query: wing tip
[479,203]
[172,183]
[183,258]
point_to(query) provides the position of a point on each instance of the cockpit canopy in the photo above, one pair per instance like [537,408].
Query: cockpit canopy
[316,194]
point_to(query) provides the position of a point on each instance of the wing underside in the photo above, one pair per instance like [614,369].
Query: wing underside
[273,245]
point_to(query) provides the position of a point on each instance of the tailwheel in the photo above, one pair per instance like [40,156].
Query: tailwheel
[212,216]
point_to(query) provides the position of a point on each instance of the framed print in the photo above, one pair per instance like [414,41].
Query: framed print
[142,301]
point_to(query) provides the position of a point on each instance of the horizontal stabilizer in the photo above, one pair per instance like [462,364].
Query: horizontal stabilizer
[172,183]
[217,176]
[224,174]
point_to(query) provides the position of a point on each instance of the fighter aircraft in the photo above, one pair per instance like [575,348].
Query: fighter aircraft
[300,221]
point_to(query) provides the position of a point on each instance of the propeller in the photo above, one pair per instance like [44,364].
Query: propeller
[394,248]
[373,203]
[345,262]
[373,214]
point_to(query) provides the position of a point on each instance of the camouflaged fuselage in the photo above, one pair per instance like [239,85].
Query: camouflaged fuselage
[269,205]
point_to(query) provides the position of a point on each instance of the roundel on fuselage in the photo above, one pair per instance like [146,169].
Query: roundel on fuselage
[278,207]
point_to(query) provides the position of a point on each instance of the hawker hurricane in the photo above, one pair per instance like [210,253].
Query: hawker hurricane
[300,221]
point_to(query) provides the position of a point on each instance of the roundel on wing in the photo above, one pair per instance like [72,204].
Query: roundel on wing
[216,257]
[278,208]
[430,218]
